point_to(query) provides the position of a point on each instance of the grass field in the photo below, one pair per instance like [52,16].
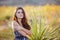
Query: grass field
[44,21]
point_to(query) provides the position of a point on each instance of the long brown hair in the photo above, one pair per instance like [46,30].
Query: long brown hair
[24,20]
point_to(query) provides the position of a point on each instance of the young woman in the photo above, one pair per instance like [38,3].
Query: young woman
[21,27]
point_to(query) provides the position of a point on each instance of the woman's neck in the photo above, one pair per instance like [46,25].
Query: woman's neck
[19,20]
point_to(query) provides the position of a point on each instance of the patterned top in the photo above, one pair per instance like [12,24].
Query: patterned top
[18,36]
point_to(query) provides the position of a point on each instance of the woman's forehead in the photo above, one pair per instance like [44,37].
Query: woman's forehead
[20,10]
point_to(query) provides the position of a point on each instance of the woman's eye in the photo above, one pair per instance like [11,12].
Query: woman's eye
[18,12]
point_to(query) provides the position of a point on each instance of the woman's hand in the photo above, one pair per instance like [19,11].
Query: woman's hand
[22,30]
[28,32]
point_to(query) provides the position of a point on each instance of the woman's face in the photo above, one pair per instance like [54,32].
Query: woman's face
[19,13]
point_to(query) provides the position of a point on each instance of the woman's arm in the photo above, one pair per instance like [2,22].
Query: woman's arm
[23,33]
[28,32]
[22,30]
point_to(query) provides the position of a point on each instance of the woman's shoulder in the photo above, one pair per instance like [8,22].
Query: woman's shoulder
[15,23]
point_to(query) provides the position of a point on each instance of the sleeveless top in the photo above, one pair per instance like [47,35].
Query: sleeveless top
[18,36]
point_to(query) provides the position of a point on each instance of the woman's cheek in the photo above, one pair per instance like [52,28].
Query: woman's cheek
[18,16]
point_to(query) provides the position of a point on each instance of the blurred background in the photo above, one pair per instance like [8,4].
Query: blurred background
[43,17]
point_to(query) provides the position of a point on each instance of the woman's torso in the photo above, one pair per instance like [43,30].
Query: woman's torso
[18,36]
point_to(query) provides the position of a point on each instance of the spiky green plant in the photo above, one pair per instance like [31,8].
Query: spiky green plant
[43,32]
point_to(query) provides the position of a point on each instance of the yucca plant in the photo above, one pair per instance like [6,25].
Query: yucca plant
[41,31]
